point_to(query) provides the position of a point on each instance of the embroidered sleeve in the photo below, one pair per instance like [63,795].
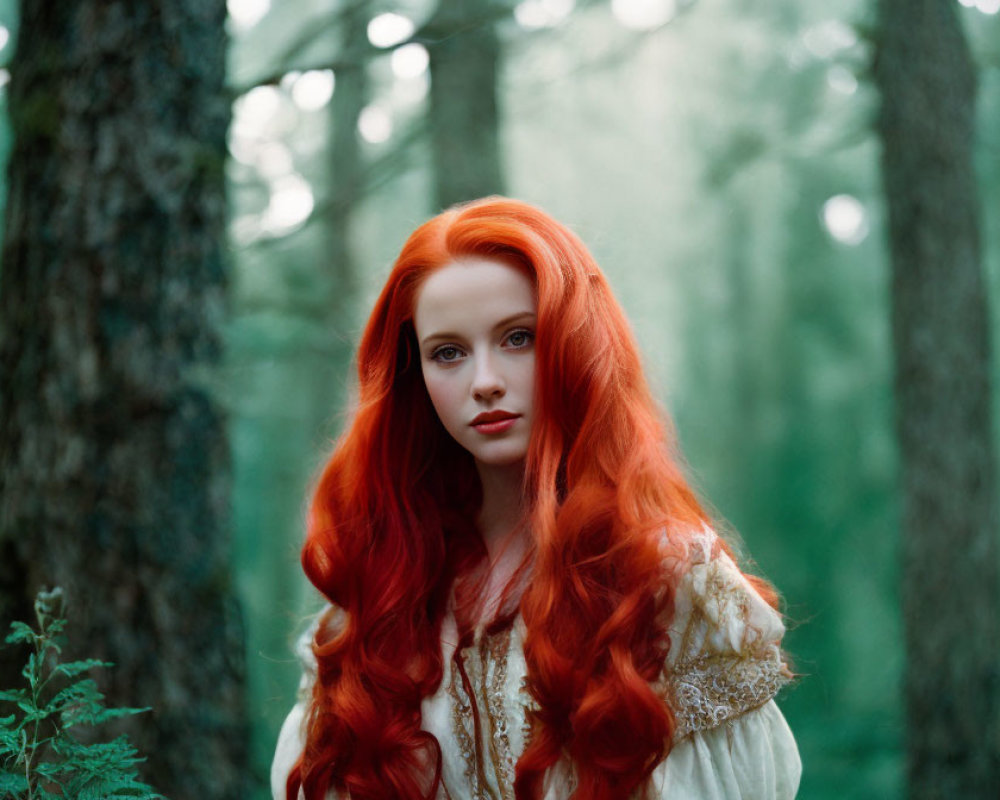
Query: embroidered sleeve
[752,757]
[725,657]
[291,739]
[304,652]
[335,619]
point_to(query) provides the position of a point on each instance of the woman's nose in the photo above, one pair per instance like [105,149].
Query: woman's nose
[487,381]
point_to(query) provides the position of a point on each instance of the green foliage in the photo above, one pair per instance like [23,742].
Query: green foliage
[40,755]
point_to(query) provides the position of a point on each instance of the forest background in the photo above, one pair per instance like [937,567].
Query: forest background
[721,160]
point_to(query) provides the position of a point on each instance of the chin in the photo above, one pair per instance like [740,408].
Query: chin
[499,458]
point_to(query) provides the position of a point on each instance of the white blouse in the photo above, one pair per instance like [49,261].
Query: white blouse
[723,670]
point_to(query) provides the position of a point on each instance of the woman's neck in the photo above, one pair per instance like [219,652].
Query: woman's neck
[502,525]
[503,507]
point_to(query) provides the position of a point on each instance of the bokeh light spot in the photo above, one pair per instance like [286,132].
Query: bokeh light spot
[288,79]
[313,89]
[845,219]
[643,14]
[243,149]
[533,14]
[274,160]
[410,61]
[826,38]
[388,30]
[247,13]
[257,106]
[290,205]
[841,79]
[375,124]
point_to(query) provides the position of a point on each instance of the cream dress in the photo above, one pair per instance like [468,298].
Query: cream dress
[720,678]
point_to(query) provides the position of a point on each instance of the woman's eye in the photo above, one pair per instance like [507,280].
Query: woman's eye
[446,354]
[520,338]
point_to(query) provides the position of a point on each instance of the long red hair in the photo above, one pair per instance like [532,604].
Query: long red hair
[391,528]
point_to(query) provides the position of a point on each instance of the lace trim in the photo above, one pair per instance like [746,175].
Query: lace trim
[711,690]
[485,669]
[493,650]
[528,709]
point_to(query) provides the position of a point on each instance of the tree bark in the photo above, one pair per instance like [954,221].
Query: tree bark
[113,453]
[950,587]
[464,120]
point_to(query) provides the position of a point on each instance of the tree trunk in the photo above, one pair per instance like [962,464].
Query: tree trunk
[113,453]
[951,592]
[345,174]
[464,62]
[288,431]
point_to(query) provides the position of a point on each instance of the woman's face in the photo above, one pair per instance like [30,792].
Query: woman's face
[475,325]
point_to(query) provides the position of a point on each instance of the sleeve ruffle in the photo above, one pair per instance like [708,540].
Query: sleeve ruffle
[752,757]
[291,739]
[725,657]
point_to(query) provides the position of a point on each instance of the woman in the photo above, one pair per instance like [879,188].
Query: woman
[527,599]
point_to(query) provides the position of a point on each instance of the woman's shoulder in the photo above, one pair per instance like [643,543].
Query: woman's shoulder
[725,640]
[330,616]
[292,737]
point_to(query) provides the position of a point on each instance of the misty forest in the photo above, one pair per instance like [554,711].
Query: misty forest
[797,203]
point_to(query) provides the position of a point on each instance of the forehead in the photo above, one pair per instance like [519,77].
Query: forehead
[470,293]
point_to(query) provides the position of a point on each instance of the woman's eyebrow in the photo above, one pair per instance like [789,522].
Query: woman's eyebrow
[513,318]
[502,323]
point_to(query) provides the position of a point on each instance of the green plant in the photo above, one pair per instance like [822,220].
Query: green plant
[40,754]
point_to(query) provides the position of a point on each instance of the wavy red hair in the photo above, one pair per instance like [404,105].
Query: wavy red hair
[390,529]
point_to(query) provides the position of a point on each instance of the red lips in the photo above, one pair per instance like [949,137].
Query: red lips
[493,416]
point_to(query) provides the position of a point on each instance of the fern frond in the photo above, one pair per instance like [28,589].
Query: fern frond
[40,757]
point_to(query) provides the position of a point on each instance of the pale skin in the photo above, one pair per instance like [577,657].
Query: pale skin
[475,325]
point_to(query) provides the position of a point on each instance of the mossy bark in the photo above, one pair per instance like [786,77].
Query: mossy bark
[113,453]
[951,591]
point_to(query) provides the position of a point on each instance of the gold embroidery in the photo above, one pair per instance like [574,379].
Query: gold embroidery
[725,657]
[493,651]
[478,682]
[710,690]
[528,709]
[463,722]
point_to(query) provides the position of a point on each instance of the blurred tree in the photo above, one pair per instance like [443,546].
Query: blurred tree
[114,459]
[787,427]
[951,590]
[346,176]
[295,327]
[464,123]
